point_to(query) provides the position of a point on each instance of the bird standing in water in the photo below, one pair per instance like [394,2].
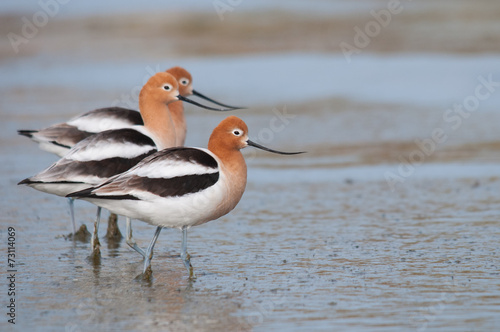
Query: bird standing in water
[181,187]
[111,152]
[61,137]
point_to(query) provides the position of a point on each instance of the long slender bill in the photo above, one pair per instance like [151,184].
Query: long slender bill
[196,93]
[255,145]
[203,106]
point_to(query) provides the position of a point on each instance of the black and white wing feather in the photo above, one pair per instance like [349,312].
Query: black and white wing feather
[173,172]
[98,157]
[108,118]
[60,138]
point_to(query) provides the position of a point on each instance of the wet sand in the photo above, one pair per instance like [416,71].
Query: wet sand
[319,242]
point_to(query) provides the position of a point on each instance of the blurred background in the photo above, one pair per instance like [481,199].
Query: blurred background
[396,102]
[387,74]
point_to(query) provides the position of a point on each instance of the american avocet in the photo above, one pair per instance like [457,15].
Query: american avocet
[61,137]
[181,187]
[111,152]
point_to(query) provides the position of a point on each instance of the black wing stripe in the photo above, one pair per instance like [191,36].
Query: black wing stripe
[28,181]
[177,186]
[124,135]
[116,197]
[60,144]
[173,187]
[105,168]
[132,116]
[190,155]
[27,133]
[101,168]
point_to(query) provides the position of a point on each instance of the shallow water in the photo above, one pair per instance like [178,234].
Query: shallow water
[320,241]
[312,245]
[338,251]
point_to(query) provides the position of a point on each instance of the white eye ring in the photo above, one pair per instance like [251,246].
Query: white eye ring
[184,81]
[167,87]
[237,132]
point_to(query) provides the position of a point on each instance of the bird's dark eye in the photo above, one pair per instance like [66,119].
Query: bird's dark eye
[184,81]
[167,87]
[237,132]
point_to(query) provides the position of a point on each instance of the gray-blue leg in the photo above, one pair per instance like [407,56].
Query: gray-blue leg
[71,202]
[186,258]
[95,237]
[149,252]
[130,240]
